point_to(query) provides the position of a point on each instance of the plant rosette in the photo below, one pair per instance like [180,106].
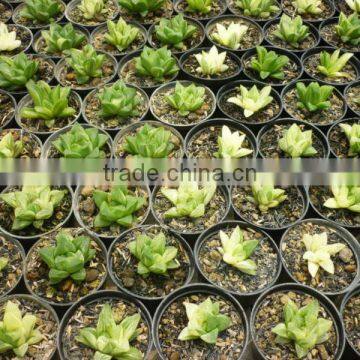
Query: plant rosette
[163,111]
[86,210]
[173,316]
[86,314]
[251,35]
[192,42]
[268,312]
[98,40]
[33,24]
[324,9]
[192,69]
[123,265]
[74,14]
[292,70]
[30,146]
[23,34]
[311,41]
[288,212]
[12,256]
[121,144]
[348,73]
[67,291]
[66,76]
[352,97]
[350,314]
[39,43]
[202,141]
[216,211]
[51,152]
[260,115]
[45,329]
[6,11]
[318,195]
[60,215]
[235,277]
[234,8]
[7,109]
[334,110]
[338,141]
[91,110]
[269,136]
[217,8]
[342,265]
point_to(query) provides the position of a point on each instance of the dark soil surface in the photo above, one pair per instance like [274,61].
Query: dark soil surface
[352,94]
[7,109]
[326,11]
[351,316]
[217,8]
[5,12]
[343,7]
[22,34]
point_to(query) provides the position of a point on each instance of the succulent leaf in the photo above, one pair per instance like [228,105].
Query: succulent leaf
[141,7]
[354,5]
[261,9]
[348,29]
[230,36]
[313,97]
[352,133]
[9,148]
[3,263]
[8,40]
[41,11]
[91,8]
[345,197]
[120,34]
[199,6]
[332,64]
[311,7]
[211,62]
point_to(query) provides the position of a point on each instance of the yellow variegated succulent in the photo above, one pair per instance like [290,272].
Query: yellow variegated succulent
[8,40]
[211,62]
[345,197]
[230,36]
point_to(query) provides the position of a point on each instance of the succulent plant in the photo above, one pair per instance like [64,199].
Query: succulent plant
[188,199]
[186,99]
[153,255]
[111,340]
[348,29]
[41,11]
[345,197]
[269,64]
[119,100]
[18,332]
[50,103]
[149,142]
[174,31]
[81,143]
[156,63]
[236,251]
[311,7]
[68,258]
[116,207]
[32,205]
[4,261]
[352,133]
[230,145]
[211,62]
[142,7]
[230,36]
[15,72]
[9,148]
[91,8]
[121,34]
[292,31]
[332,64]
[252,100]
[205,322]
[59,38]
[313,97]
[8,40]
[318,253]
[302,327]
[354,5]
[86,63]
[199,6]
[297,143]
[266,196]
[261,9]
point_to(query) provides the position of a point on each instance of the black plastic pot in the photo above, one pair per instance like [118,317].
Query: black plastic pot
[221,122]
[103,296]
[191,21]
[213,83]
[316,132]
[13,27]
[245,298]
[12,99]
[197,289]
[278,51]
[150,301]
[224,90]
[353,353]
[292,85]
[353,61]
[62,305]
[346,91]
[346,236]
[7,6]
[182,128]
[323,300]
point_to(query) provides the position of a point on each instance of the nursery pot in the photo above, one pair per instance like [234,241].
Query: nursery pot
[197,289]
[14,105]
[347,89]
[8,8]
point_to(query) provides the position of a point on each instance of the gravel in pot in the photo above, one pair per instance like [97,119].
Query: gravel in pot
[326,10]
[7,108]
[6,11]
[352,97]
[23,36]
[124,266]
[217,7]
[254,13]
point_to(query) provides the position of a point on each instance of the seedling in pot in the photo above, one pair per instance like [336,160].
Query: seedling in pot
[231,36]
[345,197]
[142,7]
[200,9]
[352,133]
[310,7]
[92,8]
[9,148]
[311,10]
[211,63]
[313,97]
[348,29]
[8,40]
[257,9]
[332,64]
